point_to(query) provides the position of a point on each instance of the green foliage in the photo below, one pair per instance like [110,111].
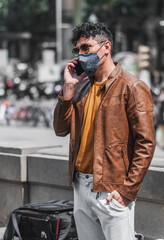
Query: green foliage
[34,7]
[3,12]
[138,8]
[1,6]
[33,15]
[23,14]
[100,8]
[111,3]
[117,8]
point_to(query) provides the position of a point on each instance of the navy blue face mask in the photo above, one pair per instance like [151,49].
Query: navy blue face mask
[90,62]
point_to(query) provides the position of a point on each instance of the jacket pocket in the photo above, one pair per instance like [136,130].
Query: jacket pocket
[115,163]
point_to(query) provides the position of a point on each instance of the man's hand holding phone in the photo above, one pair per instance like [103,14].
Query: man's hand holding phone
[71,78]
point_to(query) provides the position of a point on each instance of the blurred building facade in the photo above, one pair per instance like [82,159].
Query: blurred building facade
[27,44]
[148,30]
[131,24]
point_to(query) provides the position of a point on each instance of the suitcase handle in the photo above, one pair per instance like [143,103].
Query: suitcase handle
[15,224]
[12,228]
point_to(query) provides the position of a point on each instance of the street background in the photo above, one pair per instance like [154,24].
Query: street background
[35,47]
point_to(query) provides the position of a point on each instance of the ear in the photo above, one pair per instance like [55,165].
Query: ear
[107,47]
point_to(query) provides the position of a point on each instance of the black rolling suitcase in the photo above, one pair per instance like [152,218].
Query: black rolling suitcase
[52,220]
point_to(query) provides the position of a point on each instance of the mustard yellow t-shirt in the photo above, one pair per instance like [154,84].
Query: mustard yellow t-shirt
[84,162]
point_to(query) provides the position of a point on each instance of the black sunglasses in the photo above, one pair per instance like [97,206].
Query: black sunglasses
[84,48]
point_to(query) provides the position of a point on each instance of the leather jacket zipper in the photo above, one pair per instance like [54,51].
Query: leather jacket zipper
[122,154]
[95,131]
[96,123]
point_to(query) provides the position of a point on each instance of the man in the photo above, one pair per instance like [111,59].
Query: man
[109,115]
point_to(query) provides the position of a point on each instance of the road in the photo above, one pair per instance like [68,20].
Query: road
[14,135]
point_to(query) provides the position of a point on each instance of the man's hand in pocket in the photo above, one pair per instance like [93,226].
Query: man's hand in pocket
[118,197]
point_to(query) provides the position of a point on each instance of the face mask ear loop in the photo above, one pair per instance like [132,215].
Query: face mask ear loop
[100,47]
[103,56]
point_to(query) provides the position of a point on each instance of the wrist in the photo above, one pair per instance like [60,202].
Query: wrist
[68,91]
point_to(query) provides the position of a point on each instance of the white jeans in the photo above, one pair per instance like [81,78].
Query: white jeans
[95,220]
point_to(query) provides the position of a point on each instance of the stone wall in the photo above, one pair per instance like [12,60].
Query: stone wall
[149,212]
[41,174]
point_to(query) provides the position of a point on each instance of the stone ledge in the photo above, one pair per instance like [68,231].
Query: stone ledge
[57,151]
[157,162]
[13,167]
[149,219]
[48,169]
[46,173]
[24,148]
[13,161]
[152,186]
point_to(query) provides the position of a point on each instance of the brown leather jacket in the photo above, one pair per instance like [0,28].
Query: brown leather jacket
[124,134]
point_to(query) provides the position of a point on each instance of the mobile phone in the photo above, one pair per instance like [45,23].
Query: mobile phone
[78,68]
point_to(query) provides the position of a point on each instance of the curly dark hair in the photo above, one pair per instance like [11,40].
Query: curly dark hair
[98,31]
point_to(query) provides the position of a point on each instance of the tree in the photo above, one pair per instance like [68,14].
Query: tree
[137,8]
[100,8]
[104,9]
[3,13]
[23,15]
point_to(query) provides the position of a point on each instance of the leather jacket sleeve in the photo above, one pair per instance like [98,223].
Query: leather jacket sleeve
[62,116]
[141,122]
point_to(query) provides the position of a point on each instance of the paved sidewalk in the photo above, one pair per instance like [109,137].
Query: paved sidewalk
[2,230]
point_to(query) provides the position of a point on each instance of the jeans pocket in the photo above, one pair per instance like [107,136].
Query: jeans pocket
[117,204]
